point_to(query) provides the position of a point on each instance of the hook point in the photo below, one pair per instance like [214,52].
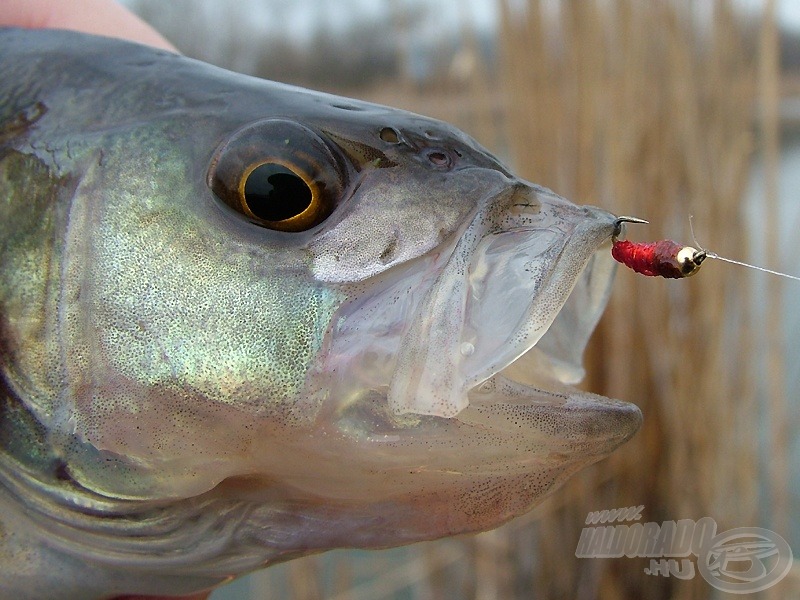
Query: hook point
[625,219]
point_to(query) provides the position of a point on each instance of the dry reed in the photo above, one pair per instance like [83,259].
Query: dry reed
[648,110]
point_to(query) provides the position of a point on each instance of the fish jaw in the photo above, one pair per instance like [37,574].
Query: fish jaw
[461,405]
[396,482]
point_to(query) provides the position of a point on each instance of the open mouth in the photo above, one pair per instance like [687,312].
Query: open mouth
[488,340]
[512,309]
[522,390]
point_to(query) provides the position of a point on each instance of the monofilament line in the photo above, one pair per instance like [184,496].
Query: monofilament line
[744,264]
[736,262]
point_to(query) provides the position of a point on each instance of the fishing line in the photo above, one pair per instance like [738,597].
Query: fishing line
[744,264]
[710,254]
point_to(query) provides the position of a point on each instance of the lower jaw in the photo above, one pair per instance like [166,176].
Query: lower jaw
[551,415]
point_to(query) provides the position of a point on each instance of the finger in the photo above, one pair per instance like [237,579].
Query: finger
[100,17]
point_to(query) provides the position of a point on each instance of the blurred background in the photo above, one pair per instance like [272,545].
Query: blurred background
[656,108]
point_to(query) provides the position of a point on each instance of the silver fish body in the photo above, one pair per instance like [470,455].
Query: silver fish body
[196,385]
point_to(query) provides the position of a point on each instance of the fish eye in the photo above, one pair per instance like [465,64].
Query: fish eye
[274,193]
[278,174]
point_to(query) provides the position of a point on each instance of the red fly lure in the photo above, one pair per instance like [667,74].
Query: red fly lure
[656,259]
[666,258]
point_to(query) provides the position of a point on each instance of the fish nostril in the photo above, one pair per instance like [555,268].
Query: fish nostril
[440,159]
[390,135]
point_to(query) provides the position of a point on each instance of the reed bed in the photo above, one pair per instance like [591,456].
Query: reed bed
[653,109]
[648,109]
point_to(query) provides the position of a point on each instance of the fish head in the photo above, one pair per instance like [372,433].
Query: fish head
[345,324]
[411,345]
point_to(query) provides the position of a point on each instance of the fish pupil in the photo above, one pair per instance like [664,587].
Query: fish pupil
[275,193]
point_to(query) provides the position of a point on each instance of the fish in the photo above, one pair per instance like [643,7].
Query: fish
[242,322]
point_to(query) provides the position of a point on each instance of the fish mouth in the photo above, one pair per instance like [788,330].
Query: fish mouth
[532,271]
[498,340]
[530,379]
[481,368]
[531,402]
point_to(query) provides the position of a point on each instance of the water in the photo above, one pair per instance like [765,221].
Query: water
[785,225]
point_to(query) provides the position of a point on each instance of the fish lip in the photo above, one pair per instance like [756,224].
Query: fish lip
[575,422]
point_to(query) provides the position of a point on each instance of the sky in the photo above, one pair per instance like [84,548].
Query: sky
[788,11]
[304,16]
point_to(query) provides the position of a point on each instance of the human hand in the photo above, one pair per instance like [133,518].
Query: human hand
[100,17]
